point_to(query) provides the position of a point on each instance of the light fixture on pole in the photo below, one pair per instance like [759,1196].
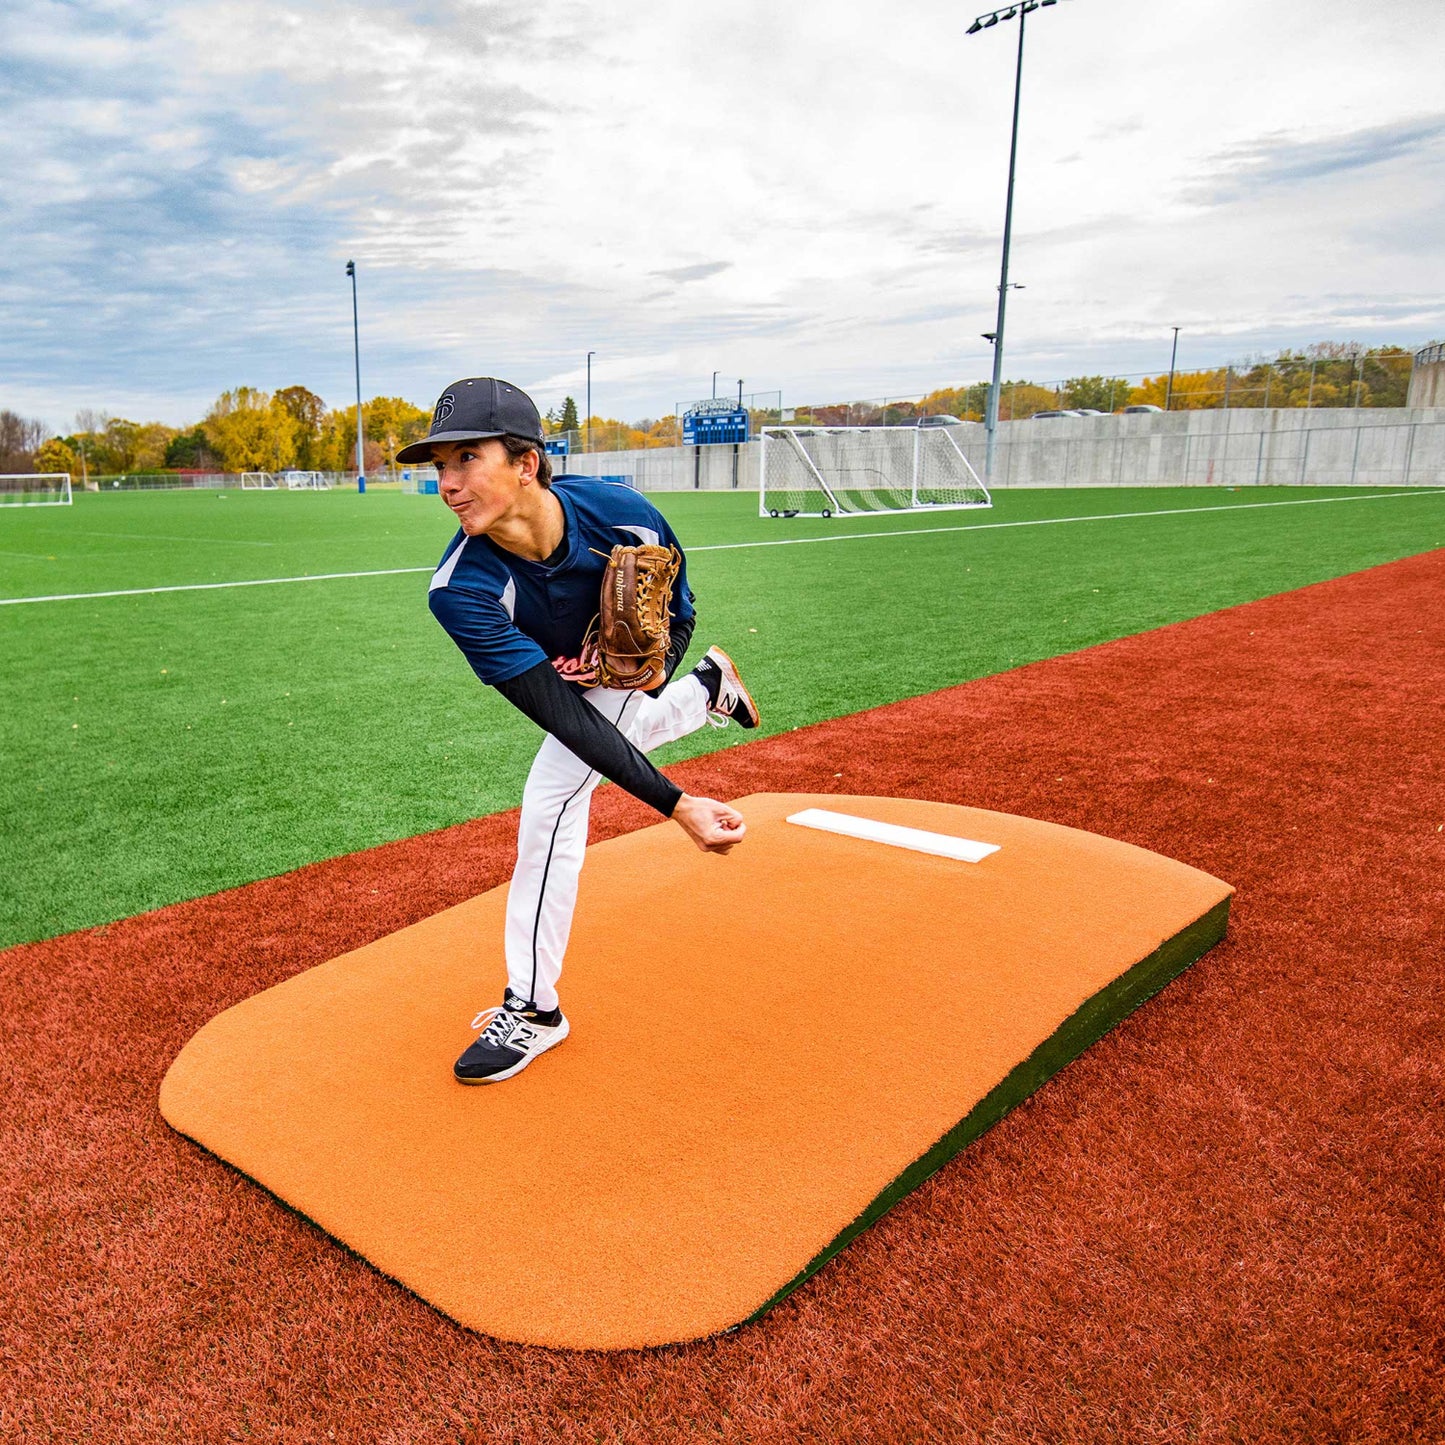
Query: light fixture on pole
[1173,356]
[987,22]
[714,386]
[356,351]
[587,445]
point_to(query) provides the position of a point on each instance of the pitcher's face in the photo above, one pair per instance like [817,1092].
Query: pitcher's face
[479,481]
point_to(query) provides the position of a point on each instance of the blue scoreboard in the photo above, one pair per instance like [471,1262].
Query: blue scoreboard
[708,428]
[557,446]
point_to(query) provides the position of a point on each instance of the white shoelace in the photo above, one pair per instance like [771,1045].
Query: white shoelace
[497,1023]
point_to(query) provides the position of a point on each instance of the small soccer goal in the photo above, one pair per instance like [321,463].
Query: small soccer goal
[419,481]
[35,489]
[258,482]
[842,471]
[305,481]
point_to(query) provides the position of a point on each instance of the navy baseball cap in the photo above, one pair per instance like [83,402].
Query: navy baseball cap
[475,408]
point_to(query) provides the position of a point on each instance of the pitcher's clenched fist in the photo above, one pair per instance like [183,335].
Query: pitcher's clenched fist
[713,826]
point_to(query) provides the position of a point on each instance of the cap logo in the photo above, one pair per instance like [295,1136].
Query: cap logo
[445,407]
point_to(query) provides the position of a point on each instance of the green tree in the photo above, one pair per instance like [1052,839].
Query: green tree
[569,420]
[1101,393]
[1387,375]
[116,444]
[189,450]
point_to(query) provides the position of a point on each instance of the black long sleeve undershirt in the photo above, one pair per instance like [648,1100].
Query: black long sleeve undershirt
[558,708]
[678,639]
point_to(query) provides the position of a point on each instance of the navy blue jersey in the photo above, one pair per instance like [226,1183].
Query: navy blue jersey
[508,614]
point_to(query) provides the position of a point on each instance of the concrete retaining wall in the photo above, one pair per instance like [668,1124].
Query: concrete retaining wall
[1427,379]
[1236,448]
[1402,446]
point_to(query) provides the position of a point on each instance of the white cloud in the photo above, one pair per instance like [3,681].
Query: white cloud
[810,196]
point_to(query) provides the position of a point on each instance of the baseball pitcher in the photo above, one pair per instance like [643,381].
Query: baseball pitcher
[520,590]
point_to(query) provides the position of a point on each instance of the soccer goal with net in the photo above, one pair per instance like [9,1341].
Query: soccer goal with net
[305,481]
[835,471]
[258,482]
[419,481]
[35,489]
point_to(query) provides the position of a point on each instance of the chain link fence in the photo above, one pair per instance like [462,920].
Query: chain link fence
[195,481]
[1356,380]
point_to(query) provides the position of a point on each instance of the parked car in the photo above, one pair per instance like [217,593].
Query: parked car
[943,420]
[1040,415]
[1088,411]
[1143,406]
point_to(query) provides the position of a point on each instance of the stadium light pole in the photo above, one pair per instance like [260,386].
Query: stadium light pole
[587,446]
[1173,356]
[987,21]
[356,351]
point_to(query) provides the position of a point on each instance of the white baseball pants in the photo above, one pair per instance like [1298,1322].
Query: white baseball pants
[556,804]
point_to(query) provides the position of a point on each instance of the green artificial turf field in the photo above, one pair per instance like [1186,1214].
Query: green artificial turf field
[166,745]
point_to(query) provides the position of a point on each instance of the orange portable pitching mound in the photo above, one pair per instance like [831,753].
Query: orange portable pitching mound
[767,1051]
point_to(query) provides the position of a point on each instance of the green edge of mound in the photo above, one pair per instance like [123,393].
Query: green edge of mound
[1099,1014]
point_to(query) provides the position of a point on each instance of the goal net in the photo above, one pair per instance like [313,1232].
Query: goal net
[35,489]
[258,482]
[419,481]
[830,471]
[305,481]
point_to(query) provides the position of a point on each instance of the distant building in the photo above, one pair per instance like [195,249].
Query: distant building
[1427,379]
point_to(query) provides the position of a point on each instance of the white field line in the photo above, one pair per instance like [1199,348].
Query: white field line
[210,586]
[738,546]
[1051,521]
[166,537]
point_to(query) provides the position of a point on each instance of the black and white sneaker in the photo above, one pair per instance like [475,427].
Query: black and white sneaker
[512,1036]
[728,699]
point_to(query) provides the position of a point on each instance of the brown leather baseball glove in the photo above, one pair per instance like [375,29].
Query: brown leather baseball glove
[632,629]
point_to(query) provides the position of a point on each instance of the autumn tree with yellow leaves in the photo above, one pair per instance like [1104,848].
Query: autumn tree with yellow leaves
[251,431]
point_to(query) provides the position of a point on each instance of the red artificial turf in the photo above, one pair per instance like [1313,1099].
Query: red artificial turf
[1221,1223]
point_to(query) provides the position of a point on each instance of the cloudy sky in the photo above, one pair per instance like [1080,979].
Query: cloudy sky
[808,196]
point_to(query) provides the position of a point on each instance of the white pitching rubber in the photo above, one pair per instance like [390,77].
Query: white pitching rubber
[965,850]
